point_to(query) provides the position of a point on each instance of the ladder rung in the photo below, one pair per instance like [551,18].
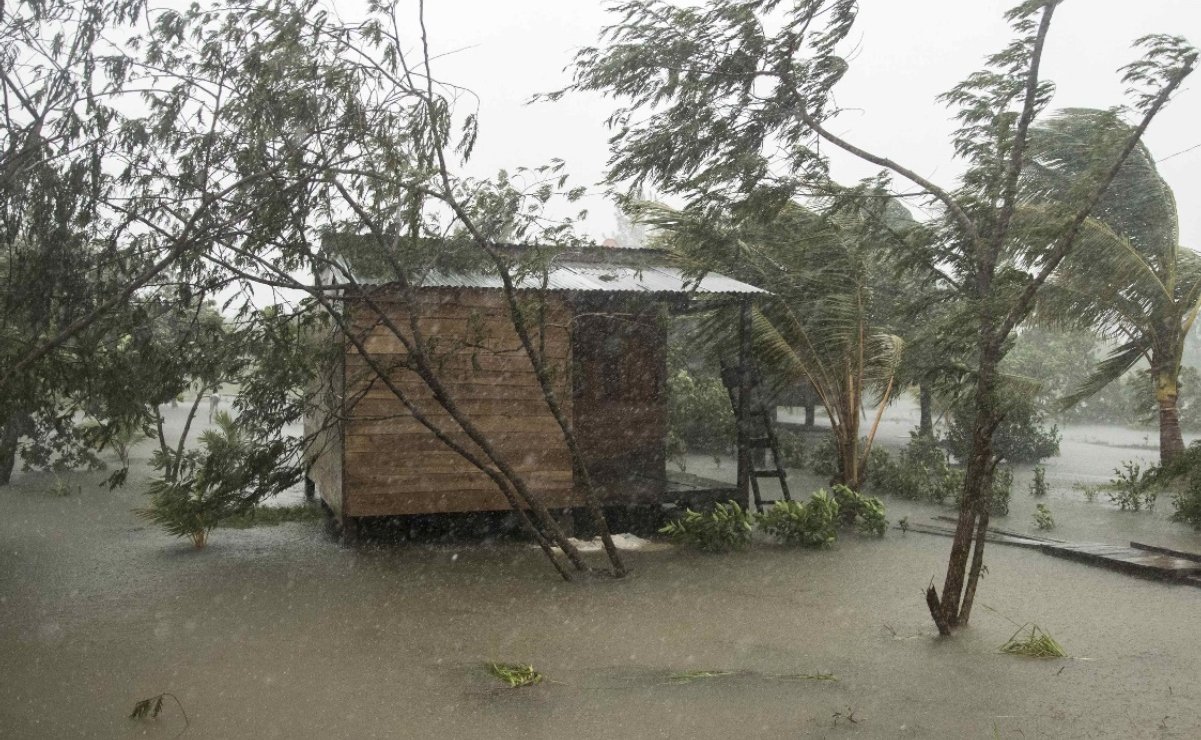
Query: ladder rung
[770,474]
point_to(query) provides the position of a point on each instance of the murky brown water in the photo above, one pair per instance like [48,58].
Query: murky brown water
[279,632]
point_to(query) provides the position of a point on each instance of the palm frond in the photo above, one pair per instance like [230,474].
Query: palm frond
[1117,364]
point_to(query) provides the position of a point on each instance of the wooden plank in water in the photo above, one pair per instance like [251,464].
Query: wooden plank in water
[1144,561]
[991,536]
[1127,560]
[1195,557]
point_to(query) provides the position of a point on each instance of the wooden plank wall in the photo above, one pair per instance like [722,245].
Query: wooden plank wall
[395,465]
[620,357]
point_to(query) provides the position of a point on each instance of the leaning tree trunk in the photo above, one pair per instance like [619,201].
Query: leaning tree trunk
[1171,441]
[9,434]
[925,402]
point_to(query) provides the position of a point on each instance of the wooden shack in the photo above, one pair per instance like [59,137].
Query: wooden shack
[605,340]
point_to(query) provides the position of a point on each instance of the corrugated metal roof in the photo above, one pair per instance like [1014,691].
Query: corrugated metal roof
[577,277]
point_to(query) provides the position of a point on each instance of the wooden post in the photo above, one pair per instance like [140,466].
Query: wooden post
[744,399]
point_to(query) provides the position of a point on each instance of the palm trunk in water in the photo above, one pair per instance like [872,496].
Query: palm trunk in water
[1171,441]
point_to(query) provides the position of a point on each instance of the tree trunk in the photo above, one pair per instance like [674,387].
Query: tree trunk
[1171,442]
[9,434]
[973,509]
[925,401]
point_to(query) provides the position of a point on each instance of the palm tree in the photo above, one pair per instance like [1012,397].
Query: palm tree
[819,324]
[1130,280]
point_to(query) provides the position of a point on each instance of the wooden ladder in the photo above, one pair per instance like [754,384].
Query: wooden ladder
[756,431]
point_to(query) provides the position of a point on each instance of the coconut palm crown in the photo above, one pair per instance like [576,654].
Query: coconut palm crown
[1129,280]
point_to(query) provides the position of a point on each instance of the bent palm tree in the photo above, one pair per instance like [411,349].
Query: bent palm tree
[1130,280]
[819,324]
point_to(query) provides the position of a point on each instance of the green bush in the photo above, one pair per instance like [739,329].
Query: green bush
[1132,488]
[1022,436]
[866,513]
[792,449]
[226,477]
[727,527]
[1188,504]
[699,415]
[1042,517]
[1182,476]
[1038,486]
[921,471]
[1002,489]
[824,458]
[811,524]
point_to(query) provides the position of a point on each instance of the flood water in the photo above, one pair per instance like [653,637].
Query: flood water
[281,632]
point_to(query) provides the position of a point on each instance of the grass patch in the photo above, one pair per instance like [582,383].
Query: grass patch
[1034,644]
[270,516]
[515,675]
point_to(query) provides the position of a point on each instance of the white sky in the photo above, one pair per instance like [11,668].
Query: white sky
[909,52]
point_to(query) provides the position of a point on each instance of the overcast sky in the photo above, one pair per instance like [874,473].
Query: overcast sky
[909,51]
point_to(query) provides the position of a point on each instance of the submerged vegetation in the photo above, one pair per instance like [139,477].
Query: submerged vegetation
[224,479]
[1043,518]
[921,471]
[1134,488]
[1037,643]
[1038,486]
[727,527]
[810,524]
[813,523]
[515,675]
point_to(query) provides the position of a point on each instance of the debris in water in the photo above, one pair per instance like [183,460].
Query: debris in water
[153,707]
[1038,644]
[690,676]
[621,541]
[515,674]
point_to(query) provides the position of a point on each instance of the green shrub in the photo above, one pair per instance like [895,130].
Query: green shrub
[226,477]
[63,487]
[1002,488]
[792,449]
[811,524]
[1022,436]
[1038,486]
[1132,488]
[1188,504]
[1042,517]
[699,415]
[727,527]
[866,513]
[824,458]
[921,471]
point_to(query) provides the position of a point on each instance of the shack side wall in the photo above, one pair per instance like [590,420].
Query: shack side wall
[394,465]
[620,360]
[323,426]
